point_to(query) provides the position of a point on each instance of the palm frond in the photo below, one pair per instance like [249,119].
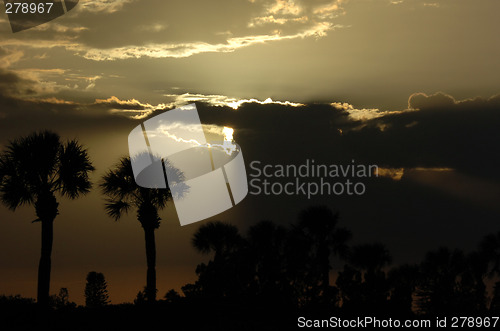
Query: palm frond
[115,209]
[74,168]
[40,163]
[119,182]
[19,181]
[216,236]
[35,156]
[15,193]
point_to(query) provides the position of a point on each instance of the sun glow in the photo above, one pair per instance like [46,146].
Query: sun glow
[228,133]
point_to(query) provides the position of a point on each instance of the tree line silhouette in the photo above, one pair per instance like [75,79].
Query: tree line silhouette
[291,266]
[272,265]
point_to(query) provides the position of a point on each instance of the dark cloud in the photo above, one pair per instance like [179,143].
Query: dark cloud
[12,84]
[23,111]
[422,100]
[444,133]
[439,132]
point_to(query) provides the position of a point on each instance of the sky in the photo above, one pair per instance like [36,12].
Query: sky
[409,85]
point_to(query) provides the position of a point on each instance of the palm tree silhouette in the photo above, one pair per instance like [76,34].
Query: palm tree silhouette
[438,291]
[33,169]
[123,193]
[320,224]
[472,286]
[489,247]
[403,281]
[227,274]
[218,237]
[372,258]
[267,243]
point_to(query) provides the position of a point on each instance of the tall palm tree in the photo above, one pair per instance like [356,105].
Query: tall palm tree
[320,224]
[122,194]
[33,169]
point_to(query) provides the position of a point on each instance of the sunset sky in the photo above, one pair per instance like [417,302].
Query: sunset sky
[409,85]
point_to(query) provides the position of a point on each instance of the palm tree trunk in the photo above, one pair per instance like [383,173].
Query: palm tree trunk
[45,263]
[324,256]
[149,233]
[480,293]
[46,208]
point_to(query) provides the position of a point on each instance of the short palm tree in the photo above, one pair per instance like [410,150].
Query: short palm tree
[122,194]
[320,224]
[228,273]
[33,169]
[370,257]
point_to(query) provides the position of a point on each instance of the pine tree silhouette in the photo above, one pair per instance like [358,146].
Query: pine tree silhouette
[96,292]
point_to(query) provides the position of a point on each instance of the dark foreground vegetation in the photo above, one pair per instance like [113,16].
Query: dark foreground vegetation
[270,277]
